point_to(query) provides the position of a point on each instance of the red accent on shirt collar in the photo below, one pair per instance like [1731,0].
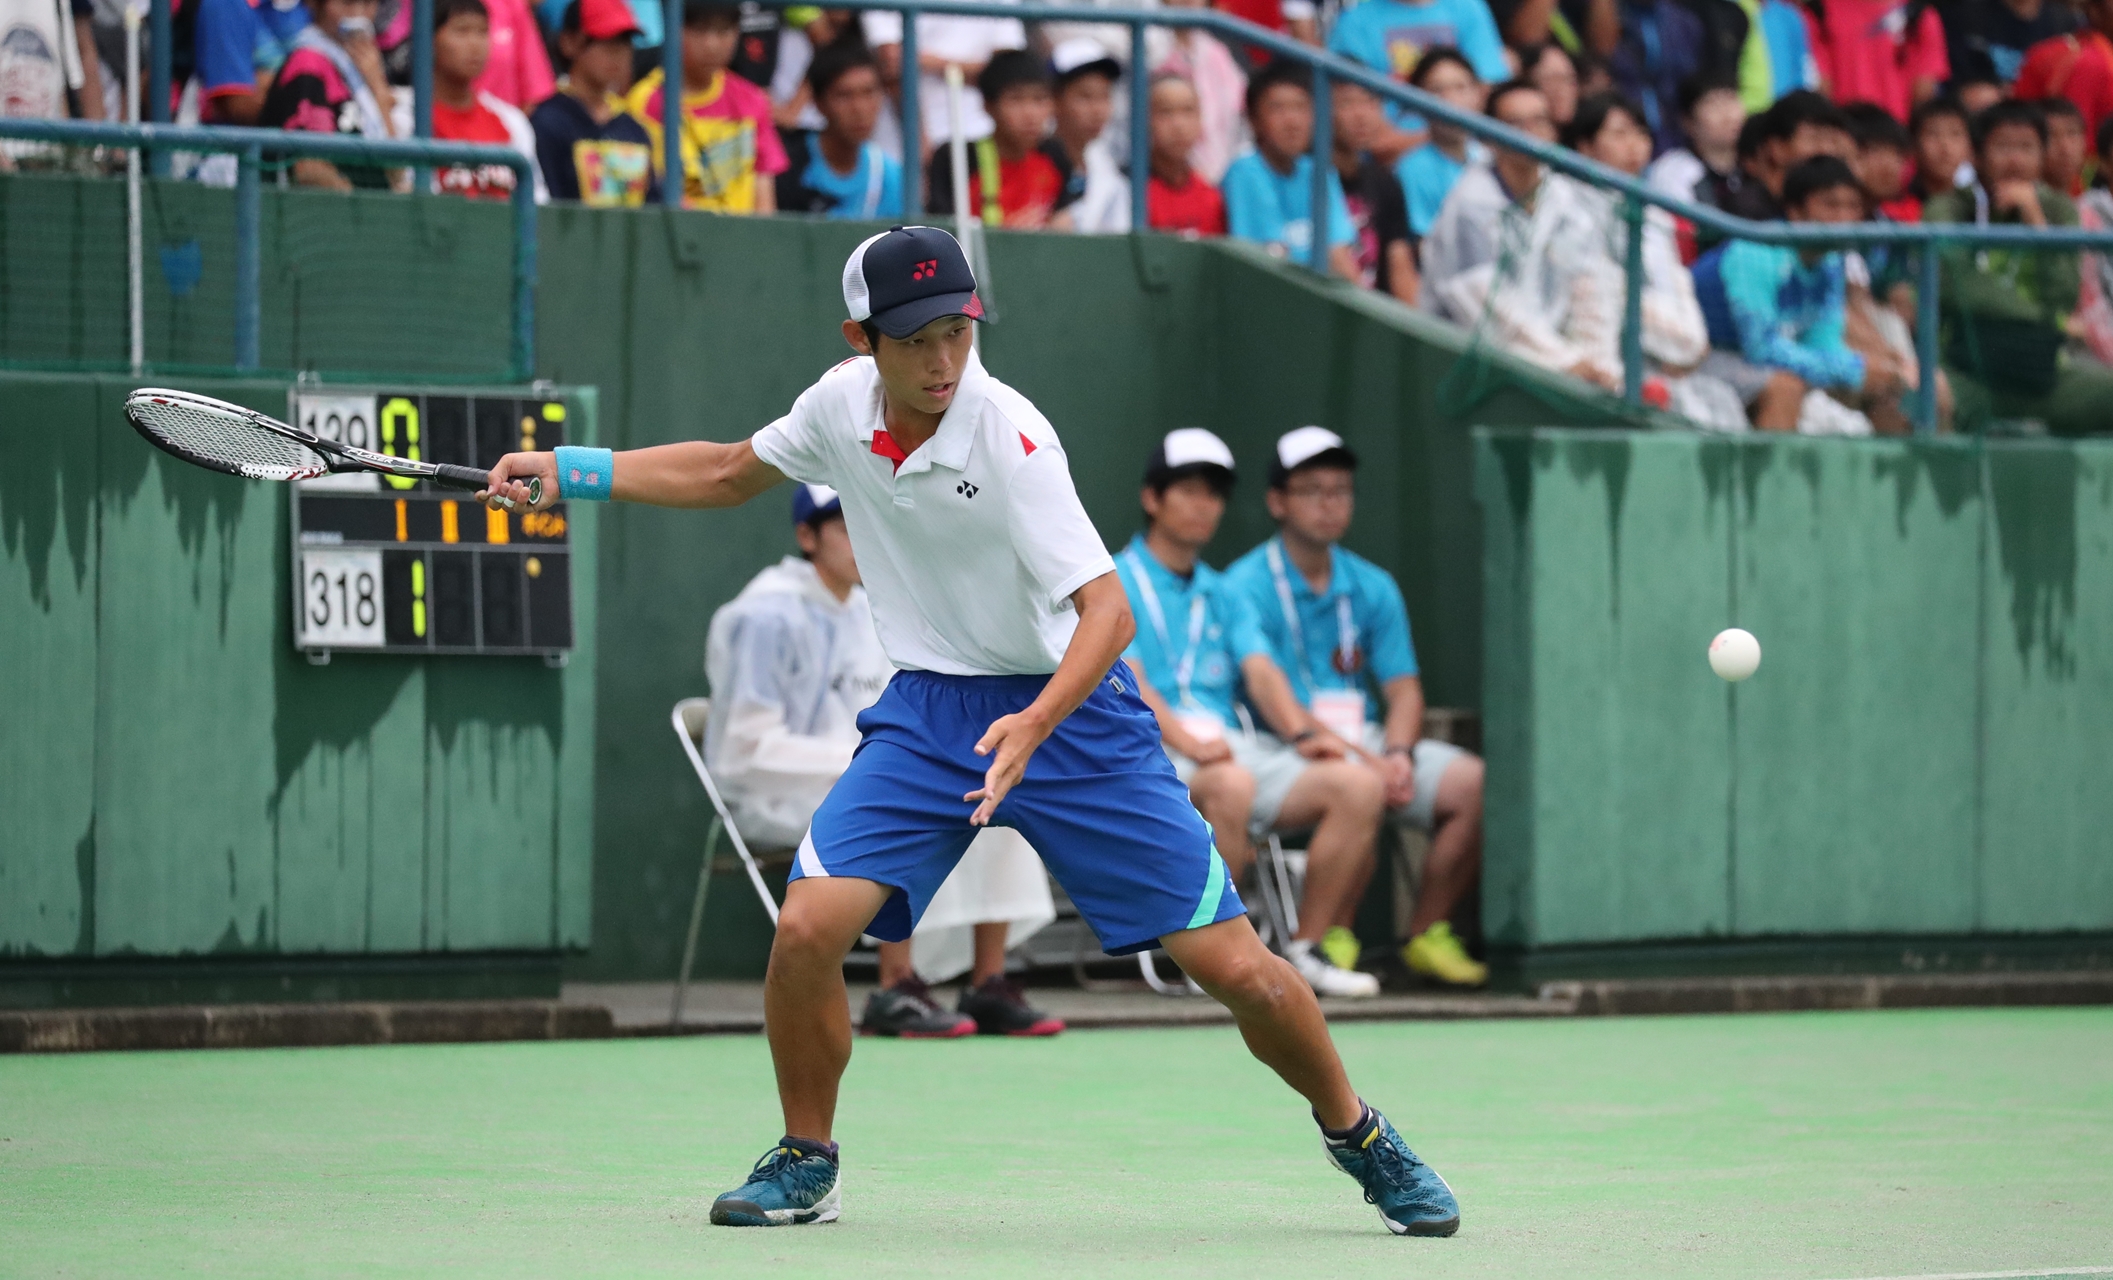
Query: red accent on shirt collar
[884,445]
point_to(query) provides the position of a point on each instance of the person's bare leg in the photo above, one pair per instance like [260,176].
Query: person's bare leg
[990,951]
[1456,845]
[895,963]
[805,1011]
[1780,402]
[1278,1016]
[1224,793]
[1342,802]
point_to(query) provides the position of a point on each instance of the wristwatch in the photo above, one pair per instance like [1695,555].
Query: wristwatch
[1408,751]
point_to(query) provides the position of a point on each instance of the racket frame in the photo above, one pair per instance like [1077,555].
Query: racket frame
[337,457]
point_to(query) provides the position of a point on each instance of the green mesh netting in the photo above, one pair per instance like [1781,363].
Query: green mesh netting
[351,284]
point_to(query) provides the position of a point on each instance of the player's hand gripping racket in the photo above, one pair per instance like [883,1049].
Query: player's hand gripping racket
[242,442]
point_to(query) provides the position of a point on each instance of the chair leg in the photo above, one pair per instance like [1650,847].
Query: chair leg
[689,941]
[1152,979]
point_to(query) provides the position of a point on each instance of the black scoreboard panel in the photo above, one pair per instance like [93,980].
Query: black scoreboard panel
[388,565]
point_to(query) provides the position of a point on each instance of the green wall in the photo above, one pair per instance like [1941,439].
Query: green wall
[177,781]
[1923,750]
[703,327]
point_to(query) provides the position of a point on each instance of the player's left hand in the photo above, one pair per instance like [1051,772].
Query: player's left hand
[1010,740]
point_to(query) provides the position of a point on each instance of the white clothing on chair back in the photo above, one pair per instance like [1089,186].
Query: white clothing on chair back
[791,667]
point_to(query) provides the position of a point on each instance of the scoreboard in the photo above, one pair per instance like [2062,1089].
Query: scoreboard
[388,564]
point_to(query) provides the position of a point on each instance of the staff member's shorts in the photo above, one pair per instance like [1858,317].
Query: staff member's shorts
[1100,803]
[1276,766]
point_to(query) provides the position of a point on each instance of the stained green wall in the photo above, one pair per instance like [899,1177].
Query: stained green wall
[176,780]
[696,326]
[1923,751]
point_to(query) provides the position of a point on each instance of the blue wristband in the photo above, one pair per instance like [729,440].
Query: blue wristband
[584,474]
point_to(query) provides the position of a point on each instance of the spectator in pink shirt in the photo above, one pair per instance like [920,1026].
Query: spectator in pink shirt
[519,73]
[1866,53]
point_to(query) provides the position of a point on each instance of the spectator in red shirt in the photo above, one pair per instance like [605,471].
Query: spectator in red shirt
[462,48]
[1177,198]
[2078,67]
[1016,91]
[1867,53]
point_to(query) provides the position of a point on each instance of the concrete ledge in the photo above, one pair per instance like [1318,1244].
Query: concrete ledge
[287,1025]
[1817,991]
[728,1008]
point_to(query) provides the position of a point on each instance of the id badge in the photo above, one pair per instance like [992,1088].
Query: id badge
[1201,725]
[1342,713]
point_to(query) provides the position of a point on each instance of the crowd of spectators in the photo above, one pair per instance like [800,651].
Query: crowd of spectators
[1990,111]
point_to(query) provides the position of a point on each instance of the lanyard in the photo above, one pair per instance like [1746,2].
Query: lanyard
[1185,667]
[1345,622]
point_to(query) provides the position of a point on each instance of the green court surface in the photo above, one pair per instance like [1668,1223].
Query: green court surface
[1806,1147]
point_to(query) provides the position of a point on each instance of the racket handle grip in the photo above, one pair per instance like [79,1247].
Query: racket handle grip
[470,478]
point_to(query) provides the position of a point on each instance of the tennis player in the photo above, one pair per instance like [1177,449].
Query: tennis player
[1003,616]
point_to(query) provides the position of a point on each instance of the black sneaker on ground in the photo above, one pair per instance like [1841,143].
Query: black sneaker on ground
[906,1009]
[1000,1008]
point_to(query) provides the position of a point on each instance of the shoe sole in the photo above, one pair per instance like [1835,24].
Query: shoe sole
[1045,1027]
[1443,1228]
[742,1213]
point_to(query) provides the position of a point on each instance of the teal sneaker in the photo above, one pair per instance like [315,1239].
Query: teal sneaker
[1412,1199]
[788,1187]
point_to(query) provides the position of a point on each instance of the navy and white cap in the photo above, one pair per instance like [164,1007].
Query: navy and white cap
[907,277]
[1306,447]
[810,502]
[1190,451]
[1080,55]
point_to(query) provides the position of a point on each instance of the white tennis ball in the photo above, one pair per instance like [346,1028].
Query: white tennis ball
[1734,654]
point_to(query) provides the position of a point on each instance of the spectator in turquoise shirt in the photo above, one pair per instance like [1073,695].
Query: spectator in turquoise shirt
[1197,646]
[1269,191]
[1338,626]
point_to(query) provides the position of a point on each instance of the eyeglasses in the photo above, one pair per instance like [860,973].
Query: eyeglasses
[1322,493]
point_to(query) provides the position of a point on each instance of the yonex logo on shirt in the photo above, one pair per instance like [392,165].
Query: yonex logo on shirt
[966,490]
[926,269]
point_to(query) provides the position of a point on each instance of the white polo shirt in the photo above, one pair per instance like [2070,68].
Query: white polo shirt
[971,546]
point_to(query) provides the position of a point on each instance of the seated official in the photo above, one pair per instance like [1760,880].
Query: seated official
[1337,626]
[793,660]
[1197,647]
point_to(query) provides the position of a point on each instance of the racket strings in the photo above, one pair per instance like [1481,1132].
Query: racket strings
[227,441]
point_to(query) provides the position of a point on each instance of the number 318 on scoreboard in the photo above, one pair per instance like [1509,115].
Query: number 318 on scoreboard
[341,604]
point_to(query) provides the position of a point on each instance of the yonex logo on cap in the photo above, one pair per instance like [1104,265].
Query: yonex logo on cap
[903,279]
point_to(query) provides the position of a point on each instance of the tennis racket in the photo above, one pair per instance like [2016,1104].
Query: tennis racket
[242,442]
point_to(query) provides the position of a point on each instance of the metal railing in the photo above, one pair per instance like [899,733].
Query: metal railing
[251,146]
[1327,67]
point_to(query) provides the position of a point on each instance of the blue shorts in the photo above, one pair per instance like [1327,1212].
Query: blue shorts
[1100,803]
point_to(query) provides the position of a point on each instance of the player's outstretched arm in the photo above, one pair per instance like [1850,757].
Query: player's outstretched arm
[694,473]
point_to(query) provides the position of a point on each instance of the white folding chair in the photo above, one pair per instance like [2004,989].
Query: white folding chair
[691,717]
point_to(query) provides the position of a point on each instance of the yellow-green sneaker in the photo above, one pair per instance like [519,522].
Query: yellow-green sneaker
[1341,947]
[1436,953]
